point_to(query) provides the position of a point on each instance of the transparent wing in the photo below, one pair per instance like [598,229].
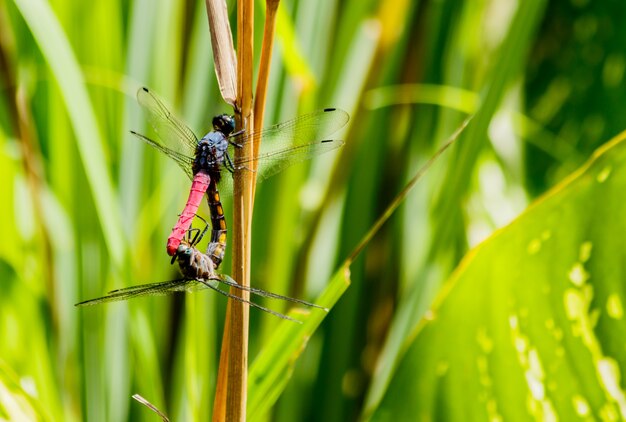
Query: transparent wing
[190,285]
[180,285]
[151,289]
[185,162]
[293,141]
[282,145]
[173,136]
[224,279]
[210,284]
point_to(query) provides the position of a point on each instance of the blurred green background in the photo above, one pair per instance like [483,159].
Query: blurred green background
[529,326]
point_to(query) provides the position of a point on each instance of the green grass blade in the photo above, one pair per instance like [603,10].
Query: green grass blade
[56,49]
[269,373]
[266,378]
[506,67]
[15,403]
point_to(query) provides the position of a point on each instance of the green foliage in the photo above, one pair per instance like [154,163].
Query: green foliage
[533,334]
[86,208]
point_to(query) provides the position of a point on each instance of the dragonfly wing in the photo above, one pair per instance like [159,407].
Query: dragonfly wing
[167,287]
[185,162]
[173,134]
[152,289]
[212,283]
[224,279]
[293,141]
[273,162]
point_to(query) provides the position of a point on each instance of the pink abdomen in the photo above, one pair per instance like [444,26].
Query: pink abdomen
[199,186]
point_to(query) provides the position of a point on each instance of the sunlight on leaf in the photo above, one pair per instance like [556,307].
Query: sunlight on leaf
[15,403]
[531,321]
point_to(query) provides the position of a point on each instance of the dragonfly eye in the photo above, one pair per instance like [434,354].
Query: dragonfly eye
[224,123]
[183,251]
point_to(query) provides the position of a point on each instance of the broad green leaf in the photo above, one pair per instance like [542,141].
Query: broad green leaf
[530,326]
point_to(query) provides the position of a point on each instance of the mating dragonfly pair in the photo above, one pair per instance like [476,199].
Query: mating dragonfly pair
[203,160]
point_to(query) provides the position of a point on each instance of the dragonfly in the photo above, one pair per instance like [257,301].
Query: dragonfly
[204,159]
[198,273]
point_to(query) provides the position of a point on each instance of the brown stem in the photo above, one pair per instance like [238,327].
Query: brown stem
[237,336]
[236,88]
[271,6]
[221,389]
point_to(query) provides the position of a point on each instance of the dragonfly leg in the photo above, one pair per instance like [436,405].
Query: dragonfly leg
[197,237]
[232,135]
[192,230]
[229,163]
[199,234]
[245,168]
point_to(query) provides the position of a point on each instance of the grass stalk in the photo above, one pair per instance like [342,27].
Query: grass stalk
[234,355]
[226,73]
[271,7]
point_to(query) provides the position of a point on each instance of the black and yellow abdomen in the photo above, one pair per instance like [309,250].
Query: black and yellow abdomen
[217,247]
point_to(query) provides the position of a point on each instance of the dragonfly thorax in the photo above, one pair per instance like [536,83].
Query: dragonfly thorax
[210,154]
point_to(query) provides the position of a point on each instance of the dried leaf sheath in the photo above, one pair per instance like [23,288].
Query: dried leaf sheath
[223,52]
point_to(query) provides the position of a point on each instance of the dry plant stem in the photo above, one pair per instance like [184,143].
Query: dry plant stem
[223,53]
[271,6]
[226,72]
[237,335]
[150,406]
[221,390]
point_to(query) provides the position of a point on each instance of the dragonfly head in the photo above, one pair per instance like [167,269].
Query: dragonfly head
[183,252]
[224,123]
